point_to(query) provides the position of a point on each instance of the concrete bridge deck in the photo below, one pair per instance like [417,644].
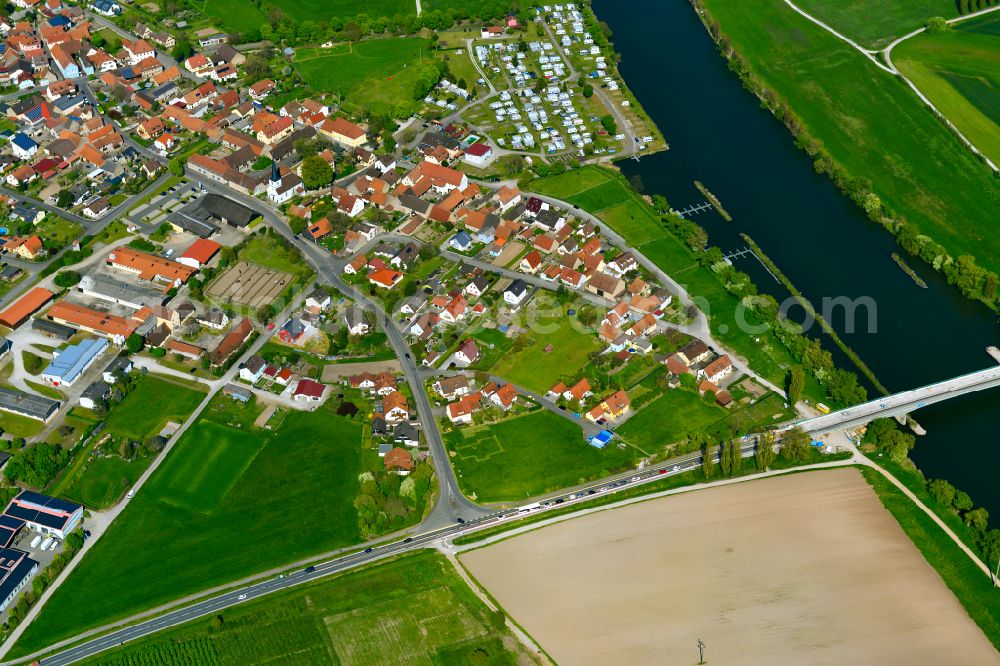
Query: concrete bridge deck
[903,403]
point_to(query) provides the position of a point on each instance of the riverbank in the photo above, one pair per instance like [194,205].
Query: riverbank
[824,242]
[945,215]
[816,316]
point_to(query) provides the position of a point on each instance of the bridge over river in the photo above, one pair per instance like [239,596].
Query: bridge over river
[901,404]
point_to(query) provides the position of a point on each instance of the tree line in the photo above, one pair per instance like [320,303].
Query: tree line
[794,449]
[885,436]
[972,280]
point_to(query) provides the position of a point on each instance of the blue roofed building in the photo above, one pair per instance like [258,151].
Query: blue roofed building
[16,568]
[67,365]
[49,515]
[106,7]
[23,146]
[461,241]
[59,21]
[601,439]
[9,528]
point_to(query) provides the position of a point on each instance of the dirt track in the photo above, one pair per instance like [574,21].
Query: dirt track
[800,569]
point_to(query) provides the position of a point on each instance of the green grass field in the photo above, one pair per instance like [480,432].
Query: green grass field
[293,499]
[378,72]
[149,407]
[874,23]
[959,71]
[20,426]
[412,610]
[264,250]
[670,418]
[871,124]
[605,194]
[104,481]
[534,368]
[529,455]
[201,481]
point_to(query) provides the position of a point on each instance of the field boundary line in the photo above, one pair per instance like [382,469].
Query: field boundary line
[887,54]
[892,69]
[492,604]
[844,38]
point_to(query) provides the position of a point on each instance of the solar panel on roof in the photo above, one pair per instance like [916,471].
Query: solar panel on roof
[47,501]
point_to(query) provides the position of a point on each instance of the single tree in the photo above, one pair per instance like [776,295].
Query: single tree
[942,492]
[796,382]
[936,25]
[726,458]
[736,462]
[182,50]
[962,501]
[316,173]
[794,444]
[134,343]
[977,519]
[707,462]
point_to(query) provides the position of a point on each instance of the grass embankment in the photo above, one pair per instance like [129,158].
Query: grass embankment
[906,268]
[874,23]
[864,127]
[529,455]
[959,71]
[974,590]
[692,478]
[414,609]
[199,520]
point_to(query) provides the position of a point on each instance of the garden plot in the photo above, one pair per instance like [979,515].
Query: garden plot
[248,284]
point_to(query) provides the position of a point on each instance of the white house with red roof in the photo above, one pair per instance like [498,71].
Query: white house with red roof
[199,253]
[478,155]
[307,390]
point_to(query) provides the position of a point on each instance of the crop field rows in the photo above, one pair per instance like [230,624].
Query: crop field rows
[413,610]
[248,284]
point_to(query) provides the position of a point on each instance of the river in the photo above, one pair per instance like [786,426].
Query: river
[719,134]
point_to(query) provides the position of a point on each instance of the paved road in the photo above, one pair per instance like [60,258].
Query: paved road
[98,526]
[451,504]
[425,538]
[533,280]
[699,325]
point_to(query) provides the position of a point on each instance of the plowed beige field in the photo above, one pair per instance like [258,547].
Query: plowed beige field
[800,569]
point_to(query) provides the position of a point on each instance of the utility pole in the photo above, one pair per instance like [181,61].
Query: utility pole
[701,651]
